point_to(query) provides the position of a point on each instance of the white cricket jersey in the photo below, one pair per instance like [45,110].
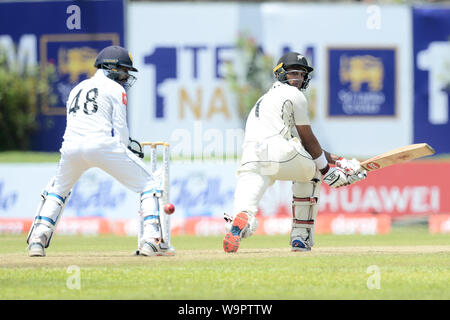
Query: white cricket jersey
[276,113]
[96,111]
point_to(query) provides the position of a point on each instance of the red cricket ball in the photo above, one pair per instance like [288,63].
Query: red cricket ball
[169,208]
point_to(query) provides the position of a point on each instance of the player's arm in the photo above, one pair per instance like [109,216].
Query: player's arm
[351,168]
[309,140]
[333,176]
[312,145]
[321,157]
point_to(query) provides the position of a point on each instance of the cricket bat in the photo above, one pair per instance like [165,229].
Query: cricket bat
[399,155]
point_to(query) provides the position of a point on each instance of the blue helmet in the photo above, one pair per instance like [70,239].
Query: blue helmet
[114,59]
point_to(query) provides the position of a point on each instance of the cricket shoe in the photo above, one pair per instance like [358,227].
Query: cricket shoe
[154,247]
[36,249]
[232,239]
[298,244]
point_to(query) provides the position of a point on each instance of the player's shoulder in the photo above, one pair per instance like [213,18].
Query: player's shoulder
[77,88]
[103,84]
[289,92]
[107,85]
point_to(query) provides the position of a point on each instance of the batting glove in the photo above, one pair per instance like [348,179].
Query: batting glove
[335,177]
[353,169]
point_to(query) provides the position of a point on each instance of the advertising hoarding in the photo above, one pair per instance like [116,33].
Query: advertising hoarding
[67,35]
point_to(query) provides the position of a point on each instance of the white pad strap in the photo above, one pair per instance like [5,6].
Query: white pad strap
[41,204]
[53,207]
[49,211]
[304,217]
[52,210]
[150,205]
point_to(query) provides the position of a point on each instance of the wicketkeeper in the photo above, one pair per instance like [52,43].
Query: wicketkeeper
[279,144]
[97,135]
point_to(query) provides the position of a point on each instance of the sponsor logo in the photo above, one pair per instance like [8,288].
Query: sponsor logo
[7,199]
[76,62]
[348,225]
[73,56]
[93,196]
[445,226]
[432,77]
[190,79]
[362,82]
[362,69]
[83,226]
[404,157]
[373,165]
[14,226]
[200,195]
[439,223]
[394,200]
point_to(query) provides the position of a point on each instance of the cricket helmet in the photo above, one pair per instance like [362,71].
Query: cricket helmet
[112,59]
[292,60]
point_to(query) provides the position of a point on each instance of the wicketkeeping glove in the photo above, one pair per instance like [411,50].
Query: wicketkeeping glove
[135,147]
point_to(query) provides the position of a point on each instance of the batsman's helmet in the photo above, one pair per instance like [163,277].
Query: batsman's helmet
[293,59]
[113,59]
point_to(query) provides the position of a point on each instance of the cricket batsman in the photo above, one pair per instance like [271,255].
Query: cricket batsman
[279,144]
[97,135]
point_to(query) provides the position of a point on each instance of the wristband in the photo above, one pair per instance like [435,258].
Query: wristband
[321,161]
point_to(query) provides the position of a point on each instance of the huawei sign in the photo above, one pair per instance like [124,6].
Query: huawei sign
[393,190]
[394,200]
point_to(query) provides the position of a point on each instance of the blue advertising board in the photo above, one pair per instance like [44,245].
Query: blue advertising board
[431,29]
[362,82]
[67,35]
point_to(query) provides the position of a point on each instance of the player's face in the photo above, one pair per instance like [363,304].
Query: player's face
[127,80]
[295,77]
[124,75]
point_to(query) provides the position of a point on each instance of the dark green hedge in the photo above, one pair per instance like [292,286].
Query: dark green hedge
[20,92]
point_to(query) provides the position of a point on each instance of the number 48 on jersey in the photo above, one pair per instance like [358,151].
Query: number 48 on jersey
[88,101]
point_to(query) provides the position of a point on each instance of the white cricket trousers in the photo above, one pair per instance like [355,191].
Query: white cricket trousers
[111,156]
[263,163]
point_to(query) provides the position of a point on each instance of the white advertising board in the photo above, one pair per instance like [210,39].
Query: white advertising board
[197,189]
[181,96]
[206,189]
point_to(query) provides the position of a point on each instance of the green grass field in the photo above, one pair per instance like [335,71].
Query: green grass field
[408,263]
